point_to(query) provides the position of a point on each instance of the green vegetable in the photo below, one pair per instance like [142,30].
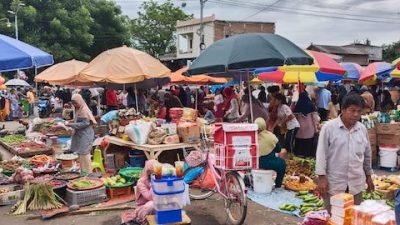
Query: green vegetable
[83,184]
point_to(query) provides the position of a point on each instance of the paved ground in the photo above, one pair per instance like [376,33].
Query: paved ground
[205,212]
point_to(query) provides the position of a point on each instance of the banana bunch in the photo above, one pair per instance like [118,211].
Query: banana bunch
[311,202]
[372,195]
[288,207]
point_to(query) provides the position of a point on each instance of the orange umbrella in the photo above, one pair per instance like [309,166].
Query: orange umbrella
[123,65]
[61,73]
[178,78]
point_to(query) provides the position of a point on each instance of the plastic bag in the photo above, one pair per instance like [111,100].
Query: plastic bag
[138,131]
[156,135]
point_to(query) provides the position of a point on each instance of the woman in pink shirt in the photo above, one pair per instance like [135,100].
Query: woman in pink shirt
[143,194]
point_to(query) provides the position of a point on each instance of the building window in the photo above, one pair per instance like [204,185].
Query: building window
[185,43]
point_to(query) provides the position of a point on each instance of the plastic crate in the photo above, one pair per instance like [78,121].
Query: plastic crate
[170,216]
[116,192]
[137,160]
[83,198]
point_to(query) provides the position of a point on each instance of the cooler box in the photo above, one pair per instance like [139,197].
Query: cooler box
[236,146]
[168,197]
[137,158]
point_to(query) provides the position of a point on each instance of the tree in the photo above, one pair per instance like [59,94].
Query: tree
[391,51]
[153,30]
[73,29]
[110,28]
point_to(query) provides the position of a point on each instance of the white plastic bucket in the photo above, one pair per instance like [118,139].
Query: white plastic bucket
[388,155]
[262,181]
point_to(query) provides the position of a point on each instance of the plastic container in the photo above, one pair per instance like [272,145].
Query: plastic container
[137,160]
[168,193]
[388,155]
[262,181]
[83,198]
[61,191]
[169,216]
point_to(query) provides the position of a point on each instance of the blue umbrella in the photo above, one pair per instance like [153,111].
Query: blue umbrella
[16,55]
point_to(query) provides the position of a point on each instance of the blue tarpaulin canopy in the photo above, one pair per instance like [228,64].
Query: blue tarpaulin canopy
[15,54]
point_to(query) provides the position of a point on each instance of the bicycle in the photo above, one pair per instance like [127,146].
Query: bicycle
[228,183]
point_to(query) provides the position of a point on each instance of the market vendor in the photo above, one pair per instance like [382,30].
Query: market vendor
[143,194]
[108,118]
[343,161]
[82,140]
[269,147]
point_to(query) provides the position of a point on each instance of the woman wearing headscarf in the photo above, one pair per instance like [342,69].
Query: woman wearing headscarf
[183,96]
[387,103]
[256,105]
[82,140]
[219,105]
[143,194]
[308,118]
[231,105]
[171,101]
[269,146]
[14,105]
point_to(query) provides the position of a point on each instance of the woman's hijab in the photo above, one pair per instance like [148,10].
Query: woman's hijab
[266,140]
[82,111]
[304,104]
[229,95]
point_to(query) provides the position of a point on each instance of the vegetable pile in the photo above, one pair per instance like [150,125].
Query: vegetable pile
[22,176]
[40,159]
[10,165]
[83,184]
[311,202]
[299,183]
[30,146]
[57,183]
[115,181]
[38,197]
[300,166]
[13,139]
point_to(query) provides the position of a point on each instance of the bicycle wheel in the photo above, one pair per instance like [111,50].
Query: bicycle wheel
[236,204]
[197,188]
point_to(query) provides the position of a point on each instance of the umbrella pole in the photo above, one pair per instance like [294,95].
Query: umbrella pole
[136,99]
[195,102]
[250,98]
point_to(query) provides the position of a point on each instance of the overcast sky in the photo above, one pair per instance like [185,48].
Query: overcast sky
[328,22]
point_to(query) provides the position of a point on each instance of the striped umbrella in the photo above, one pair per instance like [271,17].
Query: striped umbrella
[323,69]
[375,71]
[396,72]
[353,71]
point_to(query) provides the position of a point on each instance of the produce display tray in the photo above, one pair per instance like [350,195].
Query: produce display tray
[47,151]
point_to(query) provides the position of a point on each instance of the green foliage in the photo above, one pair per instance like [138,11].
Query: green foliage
[391,51]
[153,30]
[78,29]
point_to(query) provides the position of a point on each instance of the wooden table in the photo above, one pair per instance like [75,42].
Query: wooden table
[151,151]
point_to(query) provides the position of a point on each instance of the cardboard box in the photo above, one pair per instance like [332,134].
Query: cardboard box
[388,128]
[341,212]
[388,139]
[373,139]
[374,153]
[189,132]
[170,128]
[110,161]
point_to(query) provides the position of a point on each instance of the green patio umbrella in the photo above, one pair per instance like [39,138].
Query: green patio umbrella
[248,51]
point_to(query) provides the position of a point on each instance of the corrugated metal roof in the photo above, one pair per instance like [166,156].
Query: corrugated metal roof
[346,50]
